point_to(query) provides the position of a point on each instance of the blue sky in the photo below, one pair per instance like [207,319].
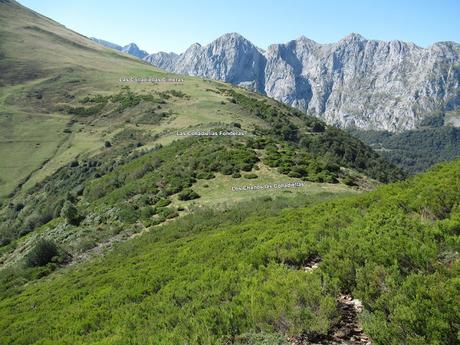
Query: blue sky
[173,25]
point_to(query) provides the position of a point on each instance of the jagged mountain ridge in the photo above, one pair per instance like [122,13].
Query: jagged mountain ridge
[130,48]
[231,58]
[355,82]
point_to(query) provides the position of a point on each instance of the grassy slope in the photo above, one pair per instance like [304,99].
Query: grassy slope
[64,73]
[33,81]
[218,192]
[46,68]
[209,277]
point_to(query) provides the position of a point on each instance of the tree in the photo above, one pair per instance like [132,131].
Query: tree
[42,253]
[318,127]
[70,213]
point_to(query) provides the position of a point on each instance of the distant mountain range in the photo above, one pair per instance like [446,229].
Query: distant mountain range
[354,82]
[130,48]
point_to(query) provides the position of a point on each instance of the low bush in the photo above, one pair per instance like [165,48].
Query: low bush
[42,253]
[188,194]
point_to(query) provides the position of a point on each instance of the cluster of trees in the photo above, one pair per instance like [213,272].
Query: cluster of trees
[296,162]
[145,185]
[320,140]
[122,174]
[345,150]
[188,194]
[278,120]
[137,183]
[151,117]
[415,150]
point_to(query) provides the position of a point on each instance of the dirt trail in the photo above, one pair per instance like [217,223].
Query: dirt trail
[348,330]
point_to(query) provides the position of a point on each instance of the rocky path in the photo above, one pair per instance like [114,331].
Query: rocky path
[348,330]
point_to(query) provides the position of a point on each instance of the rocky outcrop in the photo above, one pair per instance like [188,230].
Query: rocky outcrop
[356,82]
[134,50]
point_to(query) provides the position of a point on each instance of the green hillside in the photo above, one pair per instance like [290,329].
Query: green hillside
[61,98]
[119,224]
[75,134]
[208,278]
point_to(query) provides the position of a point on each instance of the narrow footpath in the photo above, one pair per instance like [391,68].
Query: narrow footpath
[348,330]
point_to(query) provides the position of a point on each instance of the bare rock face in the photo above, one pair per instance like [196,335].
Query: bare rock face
[134,50]
[230,58]
[357,82]
[166,60]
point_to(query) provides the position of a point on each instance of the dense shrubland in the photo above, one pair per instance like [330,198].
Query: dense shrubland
[45,201]
[298,163]
[209,278]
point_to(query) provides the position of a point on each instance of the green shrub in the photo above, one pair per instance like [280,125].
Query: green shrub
[86,244]
[261,339]
[166,213]
[42,253]
[349,181]
[70,213]
[205,175]
[188,194]
[227,170]
[128,214]
[147,212]
[163,203]
[318,127]
[250,176]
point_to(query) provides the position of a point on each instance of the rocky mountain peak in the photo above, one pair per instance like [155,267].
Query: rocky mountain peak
[231,36]
[195,45]
[231,42]
[352,37]
[305,41]
[134,50]
[371,84]
[231,58]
